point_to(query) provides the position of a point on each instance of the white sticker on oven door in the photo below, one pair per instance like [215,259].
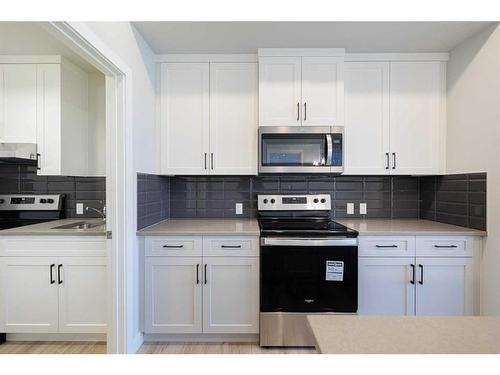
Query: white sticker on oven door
[334,270]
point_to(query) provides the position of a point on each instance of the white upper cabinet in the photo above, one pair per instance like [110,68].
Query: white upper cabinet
[185,118]
[367,117]
[233,118]
[280,91]
[322,91]
[18,103]
[208,118]
[301,90]
[395,117]
[415,116]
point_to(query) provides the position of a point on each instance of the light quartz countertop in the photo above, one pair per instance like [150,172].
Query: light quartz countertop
[199,227]
[47,229]
[406,227]
[342,334]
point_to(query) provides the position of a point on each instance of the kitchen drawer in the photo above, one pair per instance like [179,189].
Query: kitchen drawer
[53,246]
[231,246]
[173,246]
[444,246]
[381,246]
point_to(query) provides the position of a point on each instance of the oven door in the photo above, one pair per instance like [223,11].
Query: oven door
[309,275]
[300,149]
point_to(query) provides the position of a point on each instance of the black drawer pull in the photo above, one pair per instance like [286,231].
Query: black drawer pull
[205,275]
[446,246]
[174,246]
[52,281]
[421,281]
[231,246]
[197,274]
[412,281]
[386,246]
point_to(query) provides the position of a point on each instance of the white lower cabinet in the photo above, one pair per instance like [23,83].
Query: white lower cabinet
[173,295]
[415,285]
[28,295]
[203,294]
[231,295]
[385,286]
[53,294]
[82,295]
[445,286]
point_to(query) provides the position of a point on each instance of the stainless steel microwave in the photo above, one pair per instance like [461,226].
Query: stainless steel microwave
[301,149]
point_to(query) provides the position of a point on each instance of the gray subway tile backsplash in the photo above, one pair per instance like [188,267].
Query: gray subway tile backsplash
[454,199]
[23,179]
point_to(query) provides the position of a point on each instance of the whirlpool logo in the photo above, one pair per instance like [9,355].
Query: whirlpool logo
[308,300]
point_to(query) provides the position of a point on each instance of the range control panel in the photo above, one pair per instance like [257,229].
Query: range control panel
[307,202]
[21,202]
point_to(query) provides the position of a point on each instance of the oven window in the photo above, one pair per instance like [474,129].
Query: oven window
[293,150]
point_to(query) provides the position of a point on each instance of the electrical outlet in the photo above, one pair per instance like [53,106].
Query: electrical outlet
[239,208]
[79,208]
[362,208]
[350,208]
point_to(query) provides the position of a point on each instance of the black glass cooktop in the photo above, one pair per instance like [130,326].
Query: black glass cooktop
[304,226]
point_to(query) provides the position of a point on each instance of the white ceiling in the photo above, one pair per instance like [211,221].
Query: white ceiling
[30,38]
[246,37]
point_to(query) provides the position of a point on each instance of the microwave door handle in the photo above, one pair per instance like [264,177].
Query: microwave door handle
[329,149]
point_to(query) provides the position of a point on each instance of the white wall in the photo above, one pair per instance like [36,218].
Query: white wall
[124,41]
[473,139]
[97,124]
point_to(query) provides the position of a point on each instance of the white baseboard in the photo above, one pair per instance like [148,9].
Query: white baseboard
[201,338]
[99,337]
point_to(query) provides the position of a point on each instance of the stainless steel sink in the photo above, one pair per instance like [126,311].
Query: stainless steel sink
[80,225]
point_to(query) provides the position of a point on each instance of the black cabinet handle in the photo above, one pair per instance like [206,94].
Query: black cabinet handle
[174,246]
[205,273]
[205,160]
[387,160]
[298,111]
[59,278]
[446,246]
[52,281]
[412,281]
[421,281]
[231,246]
[37,161]
[393,160]
[386,246]
[212,160]
[197,274]
[305,111]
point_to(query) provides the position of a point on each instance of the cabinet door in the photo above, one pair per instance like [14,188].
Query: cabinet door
[279,91]
[367,117]
[231,295]
[322,91]
[173,295]
[385,286]
[49,119]
[28,295]
[83,297]
[445,286]
[415,116]
[233,118]
[18,103]
[184,118]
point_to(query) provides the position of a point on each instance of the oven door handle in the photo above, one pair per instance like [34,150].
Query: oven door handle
[329,149]
[293,241]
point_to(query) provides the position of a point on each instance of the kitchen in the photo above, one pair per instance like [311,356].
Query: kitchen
[279,190]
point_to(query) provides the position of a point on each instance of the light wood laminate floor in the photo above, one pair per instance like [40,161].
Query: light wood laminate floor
[22,347]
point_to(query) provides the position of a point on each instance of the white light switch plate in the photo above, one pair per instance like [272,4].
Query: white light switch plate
[362,208]
[239,208]
[79,208]
[350,208]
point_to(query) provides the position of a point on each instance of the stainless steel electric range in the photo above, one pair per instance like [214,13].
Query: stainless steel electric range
[308,265]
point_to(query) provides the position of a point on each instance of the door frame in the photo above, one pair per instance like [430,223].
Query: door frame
[120,200]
